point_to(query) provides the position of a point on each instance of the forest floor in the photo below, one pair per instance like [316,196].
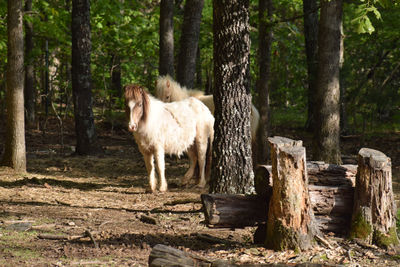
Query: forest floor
[48,214]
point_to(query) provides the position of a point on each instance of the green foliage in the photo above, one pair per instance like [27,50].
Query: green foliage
[125,34]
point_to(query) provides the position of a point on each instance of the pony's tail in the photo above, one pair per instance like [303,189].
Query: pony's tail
[209,155]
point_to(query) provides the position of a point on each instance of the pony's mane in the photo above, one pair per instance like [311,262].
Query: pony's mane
[177,91]
[136,93]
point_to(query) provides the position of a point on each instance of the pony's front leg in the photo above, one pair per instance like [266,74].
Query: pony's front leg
[161,169]
[149,161]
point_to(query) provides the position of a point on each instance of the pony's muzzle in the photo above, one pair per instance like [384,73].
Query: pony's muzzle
[132,127]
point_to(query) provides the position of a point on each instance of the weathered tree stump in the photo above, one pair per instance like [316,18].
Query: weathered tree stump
[374,212]
[291,223]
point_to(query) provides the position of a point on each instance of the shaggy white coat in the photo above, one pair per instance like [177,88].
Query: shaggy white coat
[174,128]
[168,90]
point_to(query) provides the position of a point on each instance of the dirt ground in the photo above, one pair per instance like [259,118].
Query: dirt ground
[94,211]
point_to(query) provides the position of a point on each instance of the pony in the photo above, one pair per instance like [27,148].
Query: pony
[168,90]
[172,128]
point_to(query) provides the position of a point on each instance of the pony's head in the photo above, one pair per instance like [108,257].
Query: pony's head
[136,105]
[168,90]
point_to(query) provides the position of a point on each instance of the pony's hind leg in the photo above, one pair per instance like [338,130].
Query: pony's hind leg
[161,169]
[201,153]
[149,162]
[192,154]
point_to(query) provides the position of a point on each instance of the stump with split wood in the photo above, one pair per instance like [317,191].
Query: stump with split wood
[291,223]
[374,212]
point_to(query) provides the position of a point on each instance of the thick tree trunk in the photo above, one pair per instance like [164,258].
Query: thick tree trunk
[186,69]
[15,154]
[374,213]
[291,223]
[327,130]
[30,93]
[81,78]
[310,12]
[265,9]
[232,170]
[166,64]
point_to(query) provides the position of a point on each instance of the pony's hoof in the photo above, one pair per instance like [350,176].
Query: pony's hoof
[163,189]
[150,191]
[201,185]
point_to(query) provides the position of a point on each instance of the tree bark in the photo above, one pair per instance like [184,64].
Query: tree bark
[30,93]
[166,65]
[374,213]
[14,153]
[265,10]
[327,130]
[81,79]
[310,12]
[232,170]
[291,223]
[186,69]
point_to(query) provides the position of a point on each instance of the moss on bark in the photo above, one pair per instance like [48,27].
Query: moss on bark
[360,228]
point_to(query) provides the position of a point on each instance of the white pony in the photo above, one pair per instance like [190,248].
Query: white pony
[168,90]
[172,128]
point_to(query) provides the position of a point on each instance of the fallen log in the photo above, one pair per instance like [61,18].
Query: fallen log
[319,173]
[162,255]
[234,211]
[332,206]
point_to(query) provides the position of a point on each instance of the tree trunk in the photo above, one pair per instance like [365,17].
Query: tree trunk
[327,130]
[30,94]
[186,69]
[15,154]
[310,11]
[374,213]
[232,170]
[81,78]
[166,65]
[116,76]
[265,9]
[291,223]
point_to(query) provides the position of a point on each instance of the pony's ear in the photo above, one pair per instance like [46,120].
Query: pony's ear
[168,84]
[145,103]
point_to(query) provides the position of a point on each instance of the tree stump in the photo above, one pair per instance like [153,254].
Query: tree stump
[374,212]
[291,223]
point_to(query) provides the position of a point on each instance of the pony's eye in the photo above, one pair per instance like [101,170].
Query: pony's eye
[140,105]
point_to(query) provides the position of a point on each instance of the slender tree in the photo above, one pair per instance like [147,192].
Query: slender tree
[310,11]
[81,79]
[232,170]
[265,9]
[166,64]
[30,94]
[189,41]
[327,130]
[15,154]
